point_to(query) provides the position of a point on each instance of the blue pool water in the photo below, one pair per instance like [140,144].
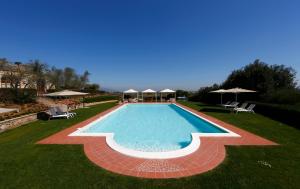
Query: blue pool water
[152,127]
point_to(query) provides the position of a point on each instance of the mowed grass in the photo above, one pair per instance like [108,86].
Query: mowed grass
[24,164]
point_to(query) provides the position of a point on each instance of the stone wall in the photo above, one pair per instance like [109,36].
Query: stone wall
[19,121]
[16,122]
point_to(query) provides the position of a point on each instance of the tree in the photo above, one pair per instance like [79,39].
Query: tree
[55,78]
[262,77]
[17,75]
[69,78]
[91,88]
[84,79]
[38,72]
[182,93]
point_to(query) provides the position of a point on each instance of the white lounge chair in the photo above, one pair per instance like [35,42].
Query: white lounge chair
[227,103]
[249,109]
[64,110]
[232,105]
[243,106]
[53,114]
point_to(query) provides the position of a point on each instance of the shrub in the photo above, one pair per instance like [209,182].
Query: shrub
[289,114]
[19,96]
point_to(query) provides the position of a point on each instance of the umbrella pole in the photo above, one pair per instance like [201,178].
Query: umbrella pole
[236,97]
[221,99]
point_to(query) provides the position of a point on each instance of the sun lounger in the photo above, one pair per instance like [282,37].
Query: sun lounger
[64,110]
[231,105]
[249,109]
[53,114]
[227,103]
[243,106]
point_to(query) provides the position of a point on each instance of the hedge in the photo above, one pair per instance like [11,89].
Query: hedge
[289,114]
[100,98]
[8,95]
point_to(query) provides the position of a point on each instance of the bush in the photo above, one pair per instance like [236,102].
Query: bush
[289,114]
[283,96]
[18,96]
[100,98]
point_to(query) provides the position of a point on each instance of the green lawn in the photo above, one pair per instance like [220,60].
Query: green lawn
[24,164]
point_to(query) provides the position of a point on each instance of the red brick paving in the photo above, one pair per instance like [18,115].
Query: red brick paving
[209,155]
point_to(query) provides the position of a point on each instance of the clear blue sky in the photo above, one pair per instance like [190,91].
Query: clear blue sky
[154,43]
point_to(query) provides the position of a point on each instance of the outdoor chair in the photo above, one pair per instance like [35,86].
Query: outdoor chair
[227,103]
[249,109]
[243,106]
[64,110]
[53,114]
[231,105]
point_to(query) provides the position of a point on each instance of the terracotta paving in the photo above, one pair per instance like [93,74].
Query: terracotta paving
[208,156]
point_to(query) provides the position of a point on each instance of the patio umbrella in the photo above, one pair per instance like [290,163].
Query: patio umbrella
[66,93]
[221,91]
[237,90]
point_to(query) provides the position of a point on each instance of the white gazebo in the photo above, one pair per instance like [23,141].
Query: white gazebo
[131,91]
[149,91]
[167,91]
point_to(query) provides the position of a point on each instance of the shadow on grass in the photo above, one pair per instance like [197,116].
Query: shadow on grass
[218,110]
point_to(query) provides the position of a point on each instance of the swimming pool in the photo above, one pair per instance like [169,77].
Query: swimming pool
[153,130]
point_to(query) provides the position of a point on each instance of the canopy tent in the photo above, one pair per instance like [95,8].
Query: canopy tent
[131,91]
[221,91]
[167,91]
[149,91]
[65,93]
[237,90]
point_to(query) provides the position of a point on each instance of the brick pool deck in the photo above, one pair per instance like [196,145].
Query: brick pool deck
[208,156]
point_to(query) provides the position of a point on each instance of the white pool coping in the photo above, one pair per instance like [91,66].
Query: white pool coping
[192,147]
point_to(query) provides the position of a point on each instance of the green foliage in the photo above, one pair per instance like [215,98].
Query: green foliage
[268,80]
[100,98]
[289,114]
[37,75]
[182,93]
[203,95]
[19,96]
[92,88]
[273,83]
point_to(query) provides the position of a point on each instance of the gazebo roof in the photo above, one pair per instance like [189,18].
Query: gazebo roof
[130,91]
[149,91]
[167,91]
[66,93]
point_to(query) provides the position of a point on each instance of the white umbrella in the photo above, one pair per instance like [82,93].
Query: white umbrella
[221,91]
[237,90]
[66,93]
